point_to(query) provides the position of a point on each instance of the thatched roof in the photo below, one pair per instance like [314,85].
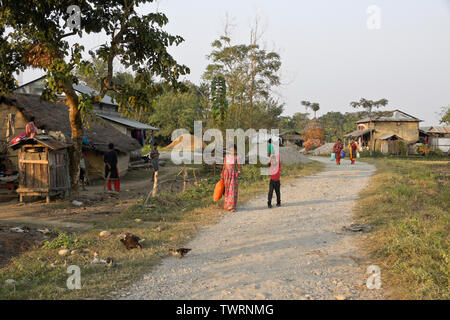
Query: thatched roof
[55,117]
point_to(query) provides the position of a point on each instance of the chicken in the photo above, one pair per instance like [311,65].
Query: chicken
[179,252]
[131,241]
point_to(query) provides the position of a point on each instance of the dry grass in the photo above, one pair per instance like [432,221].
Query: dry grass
[169,221]
[408,203]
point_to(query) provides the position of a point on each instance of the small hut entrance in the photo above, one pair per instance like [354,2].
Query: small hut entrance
[43,167]
[389,144]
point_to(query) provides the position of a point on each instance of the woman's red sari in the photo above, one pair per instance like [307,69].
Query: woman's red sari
[230,176]
[337,149]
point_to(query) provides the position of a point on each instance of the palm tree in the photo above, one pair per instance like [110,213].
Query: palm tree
[313,106]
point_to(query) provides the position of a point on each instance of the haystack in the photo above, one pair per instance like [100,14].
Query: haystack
[188,143]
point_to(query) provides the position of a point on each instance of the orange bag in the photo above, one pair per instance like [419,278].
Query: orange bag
[219,190]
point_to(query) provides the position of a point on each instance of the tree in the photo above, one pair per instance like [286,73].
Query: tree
[250,74]
[174,110]
[35,35]
[368,105]
[313,106]
[219,108]
[445,115]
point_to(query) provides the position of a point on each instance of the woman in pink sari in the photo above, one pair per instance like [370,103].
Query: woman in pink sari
[230,175]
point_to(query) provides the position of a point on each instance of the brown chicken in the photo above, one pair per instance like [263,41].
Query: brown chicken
[131,241]
[179,252]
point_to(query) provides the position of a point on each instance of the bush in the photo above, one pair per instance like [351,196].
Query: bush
[66,241]
[402,147]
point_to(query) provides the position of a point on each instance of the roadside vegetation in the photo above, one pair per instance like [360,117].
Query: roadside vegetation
[408,203]
[168,221]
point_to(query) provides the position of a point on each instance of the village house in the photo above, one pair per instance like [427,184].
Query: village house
[16,111]
[107,109]
[383,133]
[438,137]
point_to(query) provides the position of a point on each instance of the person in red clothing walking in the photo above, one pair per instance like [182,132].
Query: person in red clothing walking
[275,172]
[337,149]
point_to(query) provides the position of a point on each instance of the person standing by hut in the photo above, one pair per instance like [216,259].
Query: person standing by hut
[337,149]
[30,128]
[231,171]
[111,170]
[352,150]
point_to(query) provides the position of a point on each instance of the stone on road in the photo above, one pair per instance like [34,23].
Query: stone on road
[297,251]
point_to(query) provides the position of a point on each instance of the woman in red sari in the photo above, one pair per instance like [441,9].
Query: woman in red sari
[337,149]
[230,175]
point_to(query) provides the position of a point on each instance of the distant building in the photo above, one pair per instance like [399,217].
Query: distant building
[438,137]
[382,133]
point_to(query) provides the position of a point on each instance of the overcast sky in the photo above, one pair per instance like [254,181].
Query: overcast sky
[329,55]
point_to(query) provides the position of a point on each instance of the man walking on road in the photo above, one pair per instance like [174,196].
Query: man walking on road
[275,172]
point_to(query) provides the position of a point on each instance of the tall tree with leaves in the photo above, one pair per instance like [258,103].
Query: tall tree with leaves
[219,102]
[35,35]
[250,73]
[314,106]
[369,105]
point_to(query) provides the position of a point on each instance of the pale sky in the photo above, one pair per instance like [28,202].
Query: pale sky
[328,53]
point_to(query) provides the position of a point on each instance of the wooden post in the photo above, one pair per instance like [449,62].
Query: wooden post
[153,192]
[155,184]
[185,179]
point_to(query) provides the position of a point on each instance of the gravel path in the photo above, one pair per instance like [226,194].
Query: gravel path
[297,251]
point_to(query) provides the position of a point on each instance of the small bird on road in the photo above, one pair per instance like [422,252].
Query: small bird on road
[179,252]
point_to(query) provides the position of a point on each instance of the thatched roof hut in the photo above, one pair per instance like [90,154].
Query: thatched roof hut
[55,117]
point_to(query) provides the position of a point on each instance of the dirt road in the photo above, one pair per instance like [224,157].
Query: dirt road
[297,251]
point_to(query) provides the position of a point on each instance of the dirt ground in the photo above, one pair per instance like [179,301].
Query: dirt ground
[61,215]
[298,251]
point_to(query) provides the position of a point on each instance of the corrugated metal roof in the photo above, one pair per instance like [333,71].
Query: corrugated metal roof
[128,122]
[87,90]
[357,133]
[396,116]
[79,88]
[442,129]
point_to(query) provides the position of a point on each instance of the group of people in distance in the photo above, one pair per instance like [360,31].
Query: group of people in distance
[352,151]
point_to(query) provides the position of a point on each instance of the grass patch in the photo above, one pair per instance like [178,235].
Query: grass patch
[408,203]
[169,221]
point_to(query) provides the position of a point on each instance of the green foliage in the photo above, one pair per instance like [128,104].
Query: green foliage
[66,241]
[408,204]
[314,106]
[368,105]
[402,147]
[219,108]
[175,109]
[445,116]
[33,36]
[250,74]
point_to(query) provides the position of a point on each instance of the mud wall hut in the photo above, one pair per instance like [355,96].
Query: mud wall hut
[373,130]
[16,111]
